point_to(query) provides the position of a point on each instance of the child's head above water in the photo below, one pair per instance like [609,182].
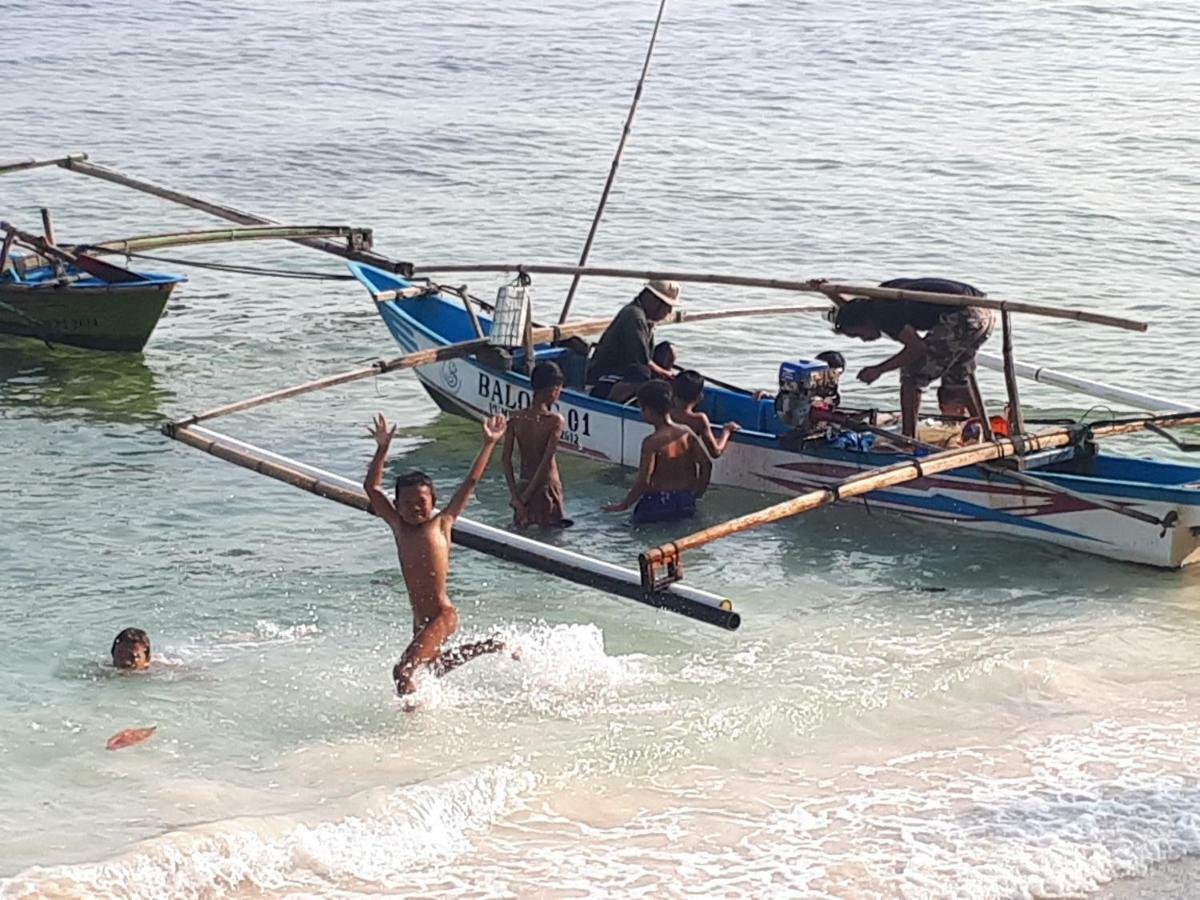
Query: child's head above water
[689,387]
[415,497]
[547,376]
[131,649]
[654,397]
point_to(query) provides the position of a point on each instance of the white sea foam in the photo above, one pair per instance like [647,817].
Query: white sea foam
[388,834]
[1057,817]
[562,669]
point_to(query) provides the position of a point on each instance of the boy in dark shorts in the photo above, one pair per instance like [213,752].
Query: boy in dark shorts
[674,469]
[940,342]
[422,535]
[537,498]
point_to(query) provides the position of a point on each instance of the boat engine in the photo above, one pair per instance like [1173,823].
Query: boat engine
[800,384]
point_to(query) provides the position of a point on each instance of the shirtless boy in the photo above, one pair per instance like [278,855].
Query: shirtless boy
[537,498]
[423,545]
[674,468]
[689,391]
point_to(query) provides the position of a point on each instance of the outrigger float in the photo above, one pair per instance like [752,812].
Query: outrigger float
[1054,485]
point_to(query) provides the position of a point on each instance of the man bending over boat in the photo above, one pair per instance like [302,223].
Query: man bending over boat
[423,544]
[938,341]
[674,469]
[629,338]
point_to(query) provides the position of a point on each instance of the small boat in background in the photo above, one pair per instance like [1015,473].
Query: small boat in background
[66,294]
[63,305]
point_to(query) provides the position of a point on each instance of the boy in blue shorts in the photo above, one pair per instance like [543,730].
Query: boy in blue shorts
[674,469]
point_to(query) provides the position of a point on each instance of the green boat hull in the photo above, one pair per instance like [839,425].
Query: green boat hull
[102,317]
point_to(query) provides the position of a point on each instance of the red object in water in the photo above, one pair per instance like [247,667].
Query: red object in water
[128,737]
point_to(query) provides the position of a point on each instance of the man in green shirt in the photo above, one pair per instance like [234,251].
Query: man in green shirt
[629,338]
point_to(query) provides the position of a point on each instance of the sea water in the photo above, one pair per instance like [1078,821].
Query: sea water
[907,710]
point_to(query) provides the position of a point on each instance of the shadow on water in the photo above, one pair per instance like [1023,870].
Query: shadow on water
[39,382]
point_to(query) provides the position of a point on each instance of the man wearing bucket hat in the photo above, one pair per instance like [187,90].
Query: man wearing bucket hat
[629,338]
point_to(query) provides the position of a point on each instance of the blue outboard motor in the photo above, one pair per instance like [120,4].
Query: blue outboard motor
[801,382]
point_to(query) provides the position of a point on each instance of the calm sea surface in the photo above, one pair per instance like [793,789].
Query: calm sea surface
[1027,728]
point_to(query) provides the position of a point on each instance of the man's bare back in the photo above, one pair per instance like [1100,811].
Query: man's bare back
[422,536]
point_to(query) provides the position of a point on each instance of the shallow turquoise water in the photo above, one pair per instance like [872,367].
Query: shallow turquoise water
[1027,729]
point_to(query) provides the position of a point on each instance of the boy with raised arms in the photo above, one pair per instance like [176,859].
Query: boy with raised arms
[422,536]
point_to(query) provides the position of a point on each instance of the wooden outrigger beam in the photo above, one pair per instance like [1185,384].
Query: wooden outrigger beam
[668,555]
[1111,392]
[359,236]
[575,567]
[813,286]
[542,334]
[78,163]
[349,251]
[6,168]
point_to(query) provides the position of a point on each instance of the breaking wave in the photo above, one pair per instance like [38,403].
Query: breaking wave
[388,833]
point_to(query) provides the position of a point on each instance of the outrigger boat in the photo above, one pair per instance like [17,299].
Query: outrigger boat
[66,294]
[1082,502]
[1052,485]
[59,298]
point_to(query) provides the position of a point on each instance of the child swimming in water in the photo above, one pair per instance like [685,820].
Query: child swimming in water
[131,650]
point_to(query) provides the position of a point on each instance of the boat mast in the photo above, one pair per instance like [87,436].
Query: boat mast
[612,172]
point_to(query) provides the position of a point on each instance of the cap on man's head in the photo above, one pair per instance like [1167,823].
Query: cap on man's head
[666,291]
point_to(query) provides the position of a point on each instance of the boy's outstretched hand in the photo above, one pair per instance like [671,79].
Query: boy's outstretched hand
[380,431]
[493,428]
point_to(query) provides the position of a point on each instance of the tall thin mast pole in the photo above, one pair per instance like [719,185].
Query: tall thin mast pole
[612,172]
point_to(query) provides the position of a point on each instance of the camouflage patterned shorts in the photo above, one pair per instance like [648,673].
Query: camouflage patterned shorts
[951,346]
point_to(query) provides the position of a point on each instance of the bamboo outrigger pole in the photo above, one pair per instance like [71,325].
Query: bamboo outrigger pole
[887,476]
[78,163]
[688,601]
[362,236]
[362,253]
[1098,389]
[812,286]
[6,168]
[464,348]
[612,172]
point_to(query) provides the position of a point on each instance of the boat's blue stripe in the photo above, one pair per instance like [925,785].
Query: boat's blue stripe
[964,509]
